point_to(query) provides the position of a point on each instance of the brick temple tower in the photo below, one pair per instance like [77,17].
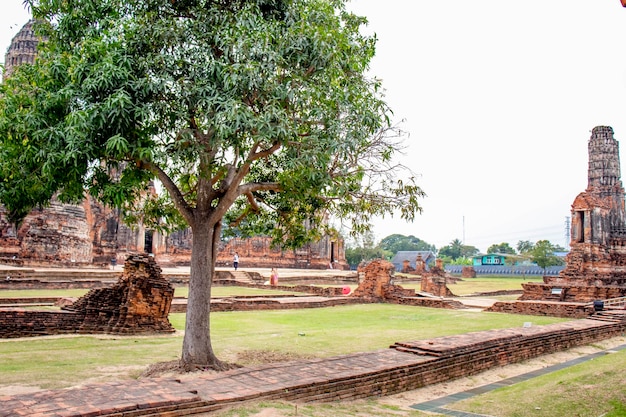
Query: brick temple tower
[598,243]
[598,212]
[22,50]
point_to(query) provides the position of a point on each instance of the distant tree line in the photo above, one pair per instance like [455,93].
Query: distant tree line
[541,252]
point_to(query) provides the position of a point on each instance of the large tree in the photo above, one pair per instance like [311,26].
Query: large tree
[543,254]
[501,248]
[253,113]
[397,242]
[456,249]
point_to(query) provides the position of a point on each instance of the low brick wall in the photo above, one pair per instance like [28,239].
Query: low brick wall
[543,308]
[29,300]
[571,293]
[265,303]
[451,357]
[36,284]
[28,323]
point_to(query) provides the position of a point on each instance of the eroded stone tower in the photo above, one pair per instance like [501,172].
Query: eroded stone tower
[598,242]
[22,50]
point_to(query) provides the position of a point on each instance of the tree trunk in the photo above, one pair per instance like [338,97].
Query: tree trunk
[197,349]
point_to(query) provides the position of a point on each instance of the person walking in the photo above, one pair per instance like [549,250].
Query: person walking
[274,277]
[236,260]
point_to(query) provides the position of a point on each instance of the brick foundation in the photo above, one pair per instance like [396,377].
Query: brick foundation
[543,308]
[139,303]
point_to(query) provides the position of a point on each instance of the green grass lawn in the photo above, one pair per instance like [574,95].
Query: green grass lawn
[54,362]
[590,389]
[216,291]
[74,292]
[480,284]
[228,291]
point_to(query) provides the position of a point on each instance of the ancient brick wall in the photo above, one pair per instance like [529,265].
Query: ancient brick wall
[259,252]
[468,272]
[570,293]
[435,285]
[138,303]
[543,308]
[377,282]
[597,253]
[447,358]
[29,323]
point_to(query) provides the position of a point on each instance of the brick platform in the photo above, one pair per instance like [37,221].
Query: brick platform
[405,366]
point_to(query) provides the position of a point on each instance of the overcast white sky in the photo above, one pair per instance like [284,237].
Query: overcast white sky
[499,98]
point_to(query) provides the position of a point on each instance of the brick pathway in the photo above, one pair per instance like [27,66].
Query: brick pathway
[203,391]
[352,376]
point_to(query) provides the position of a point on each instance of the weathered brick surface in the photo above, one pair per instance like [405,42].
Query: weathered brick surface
[596,264]
[377,282]
[29,323]
[468,272]
[543,308]
[139,303]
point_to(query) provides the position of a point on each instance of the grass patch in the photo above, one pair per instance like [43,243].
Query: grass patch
[479,284]
[590,389]
[216,291]
[482,284]
[55,362]
[73,292]
[334,330]
[232,291]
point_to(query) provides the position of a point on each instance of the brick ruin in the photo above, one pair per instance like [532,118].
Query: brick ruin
[259,252]
[22,50]
[139,303]
[376,284]
[596,264]
[91,234]
[435,281]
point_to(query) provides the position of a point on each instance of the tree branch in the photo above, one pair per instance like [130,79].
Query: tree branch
[177,197]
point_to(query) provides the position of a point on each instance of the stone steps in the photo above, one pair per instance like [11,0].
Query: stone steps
[242,276]
[615,316]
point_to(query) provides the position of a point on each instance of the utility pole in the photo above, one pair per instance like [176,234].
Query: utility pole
[464,230]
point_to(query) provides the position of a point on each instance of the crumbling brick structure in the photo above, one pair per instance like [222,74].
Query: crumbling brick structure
[378,282]
[468,272]
[435,281]
[259,252]
[596,264]
[139,302]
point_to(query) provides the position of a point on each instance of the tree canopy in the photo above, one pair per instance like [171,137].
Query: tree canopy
[256,114]
[501,248]
[543,254]
[397,242]
[456,249]
[525,246]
